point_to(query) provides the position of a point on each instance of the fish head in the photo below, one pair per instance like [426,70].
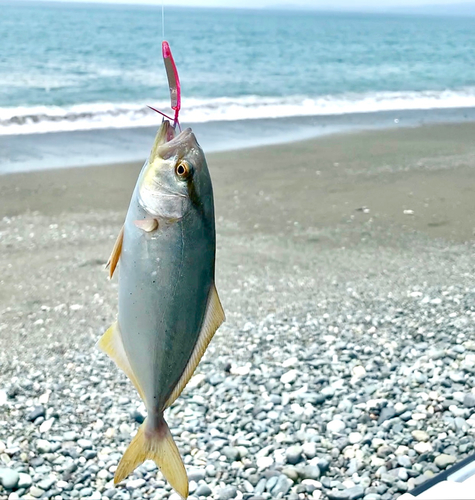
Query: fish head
[176,177]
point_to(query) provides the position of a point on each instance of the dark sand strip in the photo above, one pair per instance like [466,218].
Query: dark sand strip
[313,184]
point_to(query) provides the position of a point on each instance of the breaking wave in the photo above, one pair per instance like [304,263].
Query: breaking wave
[41,119]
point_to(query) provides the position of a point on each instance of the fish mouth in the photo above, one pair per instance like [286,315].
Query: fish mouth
[169,144]
[178,145]
[165,134]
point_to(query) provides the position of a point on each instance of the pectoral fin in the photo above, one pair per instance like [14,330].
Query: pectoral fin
[147,225]
[115,255]
[214,317]
[111,344]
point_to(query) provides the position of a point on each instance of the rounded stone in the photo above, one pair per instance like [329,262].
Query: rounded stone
[355,437]
[336,426]
[203,490]
[282,486]
[9,478]
[294,455]
[24,481]
[443,460]
[289,377]
[227,493]
[309,450]
[419,435]
[231,453]
[309,472]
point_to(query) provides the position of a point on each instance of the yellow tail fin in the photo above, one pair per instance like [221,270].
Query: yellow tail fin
[160,447]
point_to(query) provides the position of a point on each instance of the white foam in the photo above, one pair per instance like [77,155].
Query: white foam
[41,119]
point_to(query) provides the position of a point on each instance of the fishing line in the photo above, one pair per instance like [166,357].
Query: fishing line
[173,79]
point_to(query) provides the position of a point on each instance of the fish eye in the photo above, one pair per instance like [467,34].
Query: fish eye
[183,169]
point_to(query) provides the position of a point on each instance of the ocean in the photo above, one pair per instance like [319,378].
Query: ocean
[88,67]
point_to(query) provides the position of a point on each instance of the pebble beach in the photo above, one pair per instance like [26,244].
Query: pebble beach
[345,369]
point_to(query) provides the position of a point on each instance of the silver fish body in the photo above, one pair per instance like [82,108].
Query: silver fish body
[168,305]
[164,282]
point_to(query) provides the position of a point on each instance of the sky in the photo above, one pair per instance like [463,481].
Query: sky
[323,4]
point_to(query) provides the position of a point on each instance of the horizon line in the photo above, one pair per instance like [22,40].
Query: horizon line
[426,9]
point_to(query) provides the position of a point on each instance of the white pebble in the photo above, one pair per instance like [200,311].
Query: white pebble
[355,437]
[358,371]
[423,447]
[264,462]
[336,426]
[46,425]
[289,377]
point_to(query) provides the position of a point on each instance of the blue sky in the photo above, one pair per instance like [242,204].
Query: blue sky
[351,4]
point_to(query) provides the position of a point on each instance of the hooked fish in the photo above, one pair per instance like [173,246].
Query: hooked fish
[169,308]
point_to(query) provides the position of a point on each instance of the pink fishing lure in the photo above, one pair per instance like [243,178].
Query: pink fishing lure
[173,84]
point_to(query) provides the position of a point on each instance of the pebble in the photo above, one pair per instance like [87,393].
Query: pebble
[355,492]
[24,480]
[309,450]
[135,484]
[309,472]
[200,474]
[203,490]
[311,485]
[469,400]
[338,494]
[282,486]
[423,447]
[355,437]
[231,453]
[36,492]
[43,446]
[227,493]
[9,478]
[289,377]
[442,461]
[46,425]
[37,412]
[420,435]
[294,455]
[328,392]
[85,444]
[387,413]
[264,462]
[336,426]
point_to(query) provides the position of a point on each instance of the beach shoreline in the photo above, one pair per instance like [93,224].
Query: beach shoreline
[93,147]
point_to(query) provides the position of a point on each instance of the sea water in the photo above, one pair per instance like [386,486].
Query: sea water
[80,67]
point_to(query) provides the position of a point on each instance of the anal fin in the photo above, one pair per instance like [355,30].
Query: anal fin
[111,344]
[115,254]
[214,317]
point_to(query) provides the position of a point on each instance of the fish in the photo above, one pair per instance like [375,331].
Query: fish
[169,308]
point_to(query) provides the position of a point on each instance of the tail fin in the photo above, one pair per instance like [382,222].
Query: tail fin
[160,447]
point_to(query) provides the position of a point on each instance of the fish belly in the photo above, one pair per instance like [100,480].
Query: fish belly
[164,284]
